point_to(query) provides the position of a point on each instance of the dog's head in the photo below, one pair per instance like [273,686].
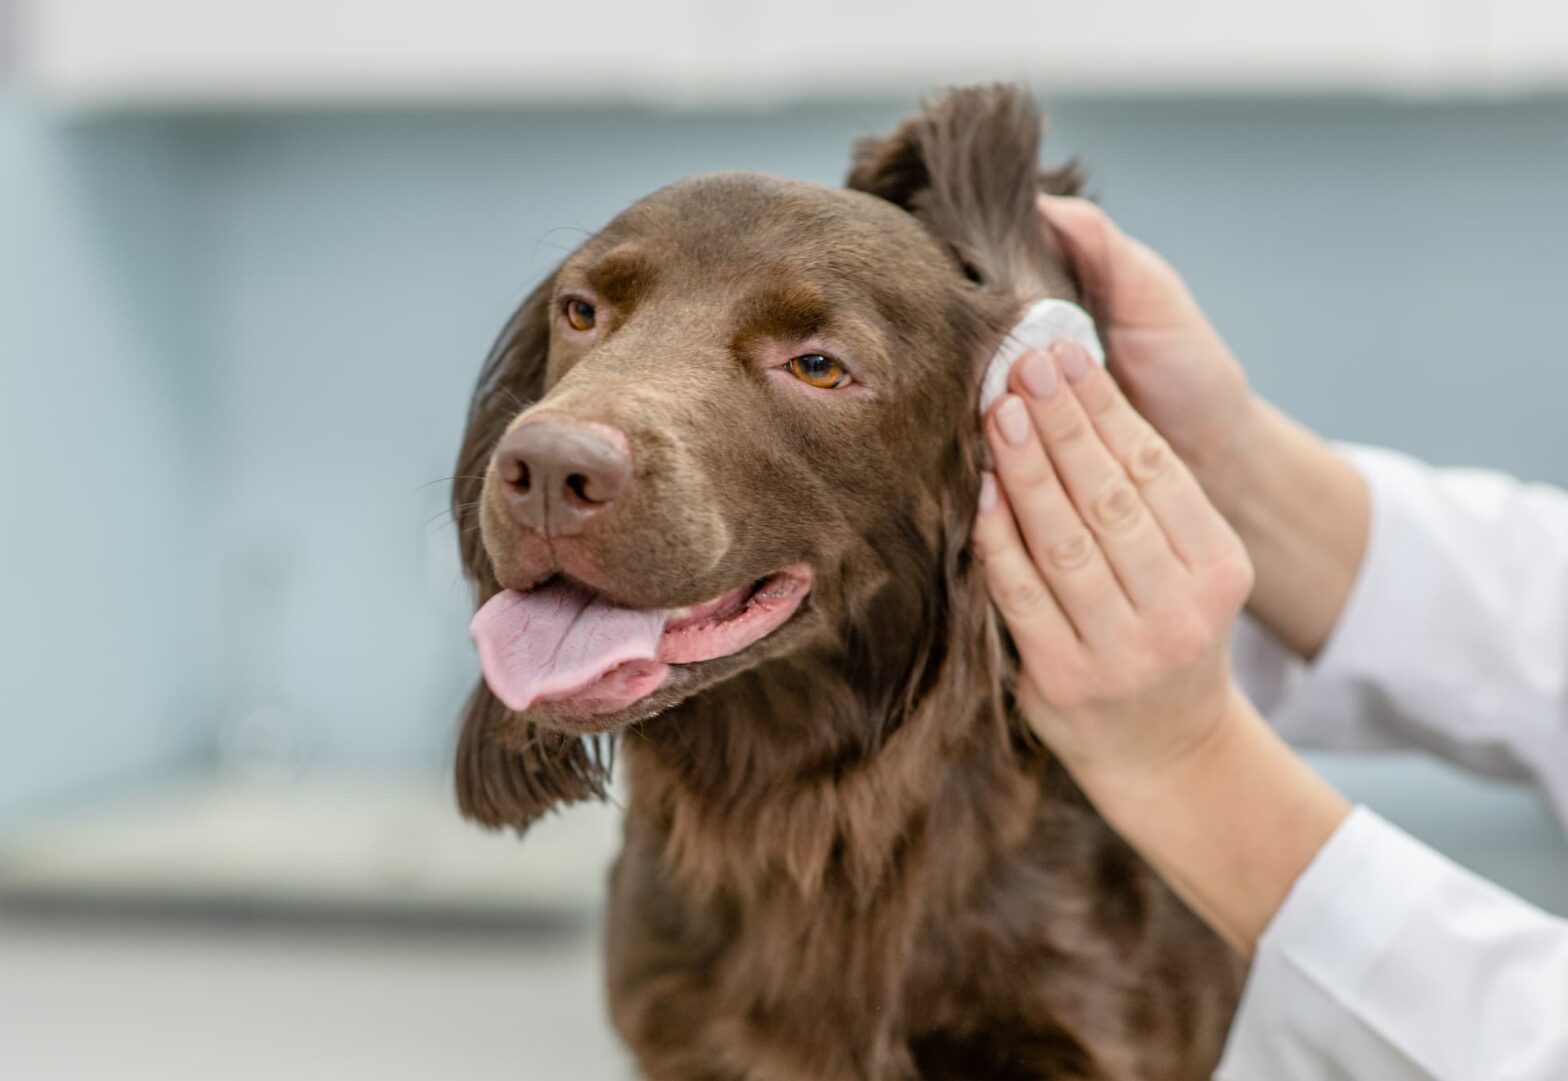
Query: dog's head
[738,423]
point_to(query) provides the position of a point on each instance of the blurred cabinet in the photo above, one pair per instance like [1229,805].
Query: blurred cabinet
[214,52]
[1527,41]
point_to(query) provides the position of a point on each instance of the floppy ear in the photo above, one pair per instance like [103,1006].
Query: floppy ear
[509,774]
[511,380]
[502,781]
[968,168]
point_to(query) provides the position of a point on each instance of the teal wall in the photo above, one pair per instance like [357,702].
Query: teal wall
[102,666]
[236,351]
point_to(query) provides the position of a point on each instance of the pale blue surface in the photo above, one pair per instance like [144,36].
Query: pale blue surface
[235,349]
[101,628]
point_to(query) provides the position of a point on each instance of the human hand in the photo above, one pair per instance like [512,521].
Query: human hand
[1172,364]
[1118,579]
[1119,582]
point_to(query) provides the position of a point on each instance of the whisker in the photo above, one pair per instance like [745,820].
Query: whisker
[542,240]
[450,514]
[445,480]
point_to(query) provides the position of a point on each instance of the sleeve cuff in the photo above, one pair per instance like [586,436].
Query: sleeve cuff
[1319,704]
[1383,583]
[1301,1007]
[1388,961]
[1351,901]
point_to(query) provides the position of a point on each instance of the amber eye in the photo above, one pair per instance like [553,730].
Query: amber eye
[579,313]
[819,371]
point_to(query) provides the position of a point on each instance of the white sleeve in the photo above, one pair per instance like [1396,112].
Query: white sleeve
[1454,637]
[1389,963]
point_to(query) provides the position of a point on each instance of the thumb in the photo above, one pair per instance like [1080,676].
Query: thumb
[1128,282]
[1084,231]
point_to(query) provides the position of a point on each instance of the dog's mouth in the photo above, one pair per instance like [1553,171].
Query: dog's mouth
[564,644]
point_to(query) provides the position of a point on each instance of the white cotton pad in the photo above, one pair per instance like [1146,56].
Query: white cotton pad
[1045,322]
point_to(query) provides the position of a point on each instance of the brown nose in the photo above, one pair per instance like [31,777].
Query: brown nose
[557,477]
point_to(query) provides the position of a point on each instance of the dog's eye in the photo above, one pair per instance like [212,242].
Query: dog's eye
[579,313]
[818,370]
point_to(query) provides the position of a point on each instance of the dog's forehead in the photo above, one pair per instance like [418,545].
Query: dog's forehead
[714,221]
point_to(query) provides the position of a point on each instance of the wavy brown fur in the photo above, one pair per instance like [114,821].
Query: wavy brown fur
[844,857]
[500,780]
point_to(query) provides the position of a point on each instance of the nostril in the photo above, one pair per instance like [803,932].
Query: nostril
[577,485]
[557,477]
[515,472]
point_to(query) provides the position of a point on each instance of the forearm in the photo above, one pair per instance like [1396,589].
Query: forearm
[1303,512]
[1454,637]
[1230,825]
[1387,961]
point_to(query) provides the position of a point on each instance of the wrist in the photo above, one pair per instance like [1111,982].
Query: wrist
[1246,487]
[1230,825]
[1125,786]
[1304,513]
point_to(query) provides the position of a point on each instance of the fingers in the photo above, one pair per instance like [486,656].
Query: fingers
[1061,547]
[1094,479]
[1026,603]
[1192,527]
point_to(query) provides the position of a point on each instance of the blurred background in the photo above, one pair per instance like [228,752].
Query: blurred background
[251,257]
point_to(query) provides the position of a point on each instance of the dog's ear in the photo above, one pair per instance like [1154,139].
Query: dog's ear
[510,774]
[968,168]
[512,379]
[506,780]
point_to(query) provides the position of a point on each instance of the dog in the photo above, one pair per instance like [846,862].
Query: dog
[715,497]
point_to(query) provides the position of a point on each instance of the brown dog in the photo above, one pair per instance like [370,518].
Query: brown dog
[716,491]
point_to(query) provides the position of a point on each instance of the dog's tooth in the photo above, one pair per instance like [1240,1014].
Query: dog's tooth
[680,613]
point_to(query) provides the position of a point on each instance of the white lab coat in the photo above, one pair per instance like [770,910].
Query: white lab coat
[1387,962]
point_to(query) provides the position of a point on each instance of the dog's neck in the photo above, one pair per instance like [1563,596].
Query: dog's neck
[821,770]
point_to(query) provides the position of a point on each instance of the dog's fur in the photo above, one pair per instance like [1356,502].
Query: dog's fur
[844,855]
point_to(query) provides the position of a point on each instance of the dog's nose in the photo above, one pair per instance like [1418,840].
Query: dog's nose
[557,477]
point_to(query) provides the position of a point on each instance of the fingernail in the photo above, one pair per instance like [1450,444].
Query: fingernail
[987,492]
[1038,375]
[1073,359]
[1012,418]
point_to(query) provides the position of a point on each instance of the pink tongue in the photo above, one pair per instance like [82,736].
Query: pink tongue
[560,641]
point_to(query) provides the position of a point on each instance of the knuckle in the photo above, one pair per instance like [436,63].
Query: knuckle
[1020,599]
[1033,474]
[1117,507]
[980,545]
[1071,552]
[1065,425]
[1097,393]
[1183,638]
[1232,577]
[1150,459]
